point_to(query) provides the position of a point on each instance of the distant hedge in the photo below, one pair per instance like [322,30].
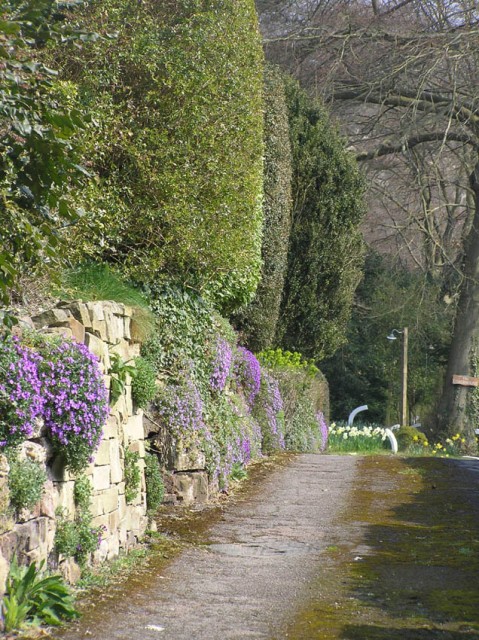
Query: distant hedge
[325,254]
[258,321]
[175,93]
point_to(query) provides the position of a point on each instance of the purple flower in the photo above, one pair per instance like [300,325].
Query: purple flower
[221,365]
[247,373]
[323,428]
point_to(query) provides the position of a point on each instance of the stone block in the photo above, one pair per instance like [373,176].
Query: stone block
[101,521]
[64,332]
[96,310]
[80,312]
[127,328]
[52,318]
[64,497]
[101,554]
[111,428]
[115,329]
[116,469]
[113,522]
[47,503]
[99,348]
[128,400]
[101,478]
[109,500]
[113,547]
[96,505]
[4,568]
[77,329]
[102,455]
[133,428]
[138,446]
[69,570]
[193,460]
[4,490]
[191,487]
[33,451]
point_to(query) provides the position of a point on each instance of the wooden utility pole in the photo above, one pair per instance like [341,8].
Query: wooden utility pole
[404,416]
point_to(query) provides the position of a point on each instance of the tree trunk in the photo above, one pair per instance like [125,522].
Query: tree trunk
[456,412]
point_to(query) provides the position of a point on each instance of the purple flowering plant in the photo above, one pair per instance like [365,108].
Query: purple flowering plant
[76,400]
[247,374]
[221,365]
[323,430]
[21,402]
[268,410]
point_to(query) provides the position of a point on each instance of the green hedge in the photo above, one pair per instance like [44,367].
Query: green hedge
[258,321]
[325,255]
[177,145]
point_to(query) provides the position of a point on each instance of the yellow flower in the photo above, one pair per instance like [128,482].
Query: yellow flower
[415,439]
[433,452]
[439,445]
[463,440]
[425,443]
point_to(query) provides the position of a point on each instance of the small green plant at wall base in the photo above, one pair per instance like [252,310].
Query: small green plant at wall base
[143,384]
[26,481]
[238,472]
[155,488]
[132,475]
[34,597]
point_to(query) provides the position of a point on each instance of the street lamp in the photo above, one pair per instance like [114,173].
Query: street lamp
[392,336]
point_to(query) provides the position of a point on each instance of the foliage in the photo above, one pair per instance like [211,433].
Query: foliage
[143,383]
[325,254]
[132,475]
[119,371]
[269,413]
[238,472]
[155,488]
[76,402]
[33,596]
[26,481]
[178,146]
[21,401]
[180,407]
[367,370]
[38,156]
[302,431]
[257,322]
[77,538]
[343,438]
[185,333]
[277,358]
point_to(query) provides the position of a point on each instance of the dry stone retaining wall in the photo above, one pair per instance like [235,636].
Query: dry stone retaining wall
[106,328]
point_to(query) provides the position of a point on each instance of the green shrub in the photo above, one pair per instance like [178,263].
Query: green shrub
[325,255]
[178,146]
[408,437]
[132,475]
[119,371]
[257,322]
[155,488]
[77,538]
[26,482]
[33,596]
[143,384]
[277,358]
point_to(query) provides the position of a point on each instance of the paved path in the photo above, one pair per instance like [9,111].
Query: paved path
[320,550]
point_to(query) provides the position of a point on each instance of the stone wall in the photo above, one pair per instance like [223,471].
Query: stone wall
[106,328]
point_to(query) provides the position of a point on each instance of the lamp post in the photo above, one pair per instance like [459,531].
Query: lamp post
[392,336]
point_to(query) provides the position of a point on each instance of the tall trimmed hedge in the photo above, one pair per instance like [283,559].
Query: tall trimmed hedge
[258,321]
[176,96]
[325,254]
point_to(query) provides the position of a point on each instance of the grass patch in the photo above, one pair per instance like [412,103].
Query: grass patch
[99,282]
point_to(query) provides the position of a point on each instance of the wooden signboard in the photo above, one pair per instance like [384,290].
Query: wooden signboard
[465,381]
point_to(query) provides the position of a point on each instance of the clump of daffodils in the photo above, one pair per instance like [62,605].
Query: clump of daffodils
[365,438]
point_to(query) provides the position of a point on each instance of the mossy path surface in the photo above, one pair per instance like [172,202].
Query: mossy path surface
[326,547]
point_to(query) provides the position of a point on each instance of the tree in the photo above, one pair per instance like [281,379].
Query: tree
[38,162]
[258,320]
[325,251]
[410,72]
